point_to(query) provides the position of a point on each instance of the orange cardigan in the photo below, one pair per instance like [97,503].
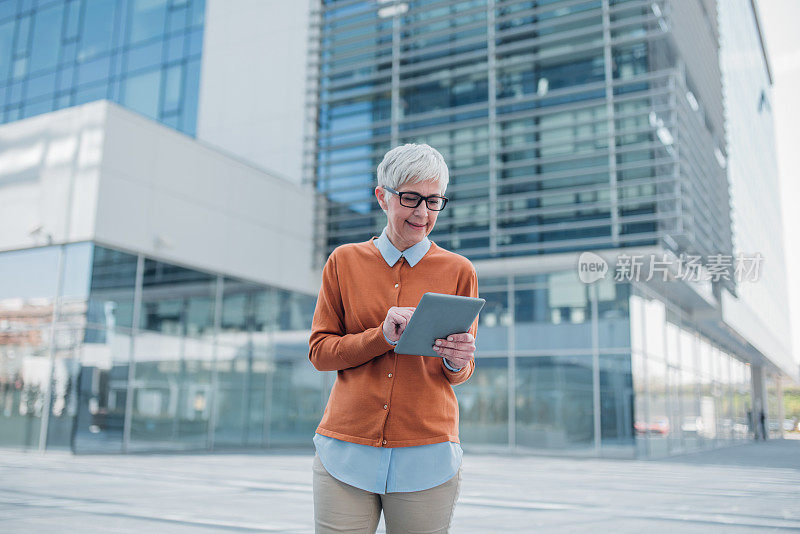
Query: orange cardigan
[381,398]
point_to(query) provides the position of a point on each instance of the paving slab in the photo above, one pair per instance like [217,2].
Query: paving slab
[750,488]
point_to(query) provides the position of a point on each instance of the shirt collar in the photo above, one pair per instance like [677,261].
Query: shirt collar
[412,254]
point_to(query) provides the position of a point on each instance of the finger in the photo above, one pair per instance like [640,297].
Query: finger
[406,313]
[443,351]
[397,318]
[402,322]
[458,345]
[457,354]
[463,337]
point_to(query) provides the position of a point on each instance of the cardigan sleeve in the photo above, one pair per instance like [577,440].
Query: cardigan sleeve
[330,349]
[467,287]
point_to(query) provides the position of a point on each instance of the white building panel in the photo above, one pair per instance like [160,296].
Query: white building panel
[49,173]
[100,172]
[252,81]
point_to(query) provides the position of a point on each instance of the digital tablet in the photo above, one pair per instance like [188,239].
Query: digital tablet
[436,317]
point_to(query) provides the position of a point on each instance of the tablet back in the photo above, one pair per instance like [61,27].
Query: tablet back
[436,317]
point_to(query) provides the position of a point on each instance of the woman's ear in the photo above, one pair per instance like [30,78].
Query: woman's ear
[379,194]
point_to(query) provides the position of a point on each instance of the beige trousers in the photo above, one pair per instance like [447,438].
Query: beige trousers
[339,507]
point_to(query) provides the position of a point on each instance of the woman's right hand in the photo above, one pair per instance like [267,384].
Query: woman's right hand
[396,320]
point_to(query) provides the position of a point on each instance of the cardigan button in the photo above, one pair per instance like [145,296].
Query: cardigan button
[385,406]
[390,375]
[396,286]
[384,442]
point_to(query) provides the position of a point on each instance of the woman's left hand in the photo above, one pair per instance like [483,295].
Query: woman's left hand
[458,349]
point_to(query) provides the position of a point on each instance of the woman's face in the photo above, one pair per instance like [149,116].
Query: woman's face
[408,226]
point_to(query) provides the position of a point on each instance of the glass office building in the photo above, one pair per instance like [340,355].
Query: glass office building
[217,362]
[142,54]
[147,354]
[568,126]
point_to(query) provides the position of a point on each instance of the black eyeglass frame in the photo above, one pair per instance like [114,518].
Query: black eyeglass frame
[419,200]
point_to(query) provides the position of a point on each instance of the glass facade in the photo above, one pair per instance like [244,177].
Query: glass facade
[28,289]
[552,367]
[142,54]
[147,355]
[566,125]
[610,369]
[690,393]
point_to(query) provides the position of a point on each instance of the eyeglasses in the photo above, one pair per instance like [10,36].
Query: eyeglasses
[412,200]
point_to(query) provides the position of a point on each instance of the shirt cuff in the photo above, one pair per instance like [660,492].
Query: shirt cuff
[392,343]
[449,367]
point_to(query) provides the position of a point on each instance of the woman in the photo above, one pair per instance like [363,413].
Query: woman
[388,440]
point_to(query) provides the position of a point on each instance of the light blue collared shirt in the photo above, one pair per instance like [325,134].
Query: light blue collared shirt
[391,469]
[412,254]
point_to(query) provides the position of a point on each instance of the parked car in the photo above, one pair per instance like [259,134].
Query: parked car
[658,426]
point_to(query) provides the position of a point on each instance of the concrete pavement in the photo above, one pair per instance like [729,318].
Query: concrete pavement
[747,488]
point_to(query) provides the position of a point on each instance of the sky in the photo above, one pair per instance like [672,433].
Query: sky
[779,25]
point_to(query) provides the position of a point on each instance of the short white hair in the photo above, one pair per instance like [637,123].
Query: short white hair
[410,164]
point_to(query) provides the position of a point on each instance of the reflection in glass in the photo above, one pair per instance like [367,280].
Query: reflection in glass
[616,400]
[97,32]
[556,316]
[146,18]
[674,409]
[741,401]
[724,398]
[495,321]
[655,324]
[140,93]
[105,352]
[554,402]
[45,42]
[29,274]
[102,388]
[261,387]
[483,403]
[692,422]
[112,287]
[296,399]
[172,391]
[244,367]
[613,315]
[641,402]
[657,425]
[28,290]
